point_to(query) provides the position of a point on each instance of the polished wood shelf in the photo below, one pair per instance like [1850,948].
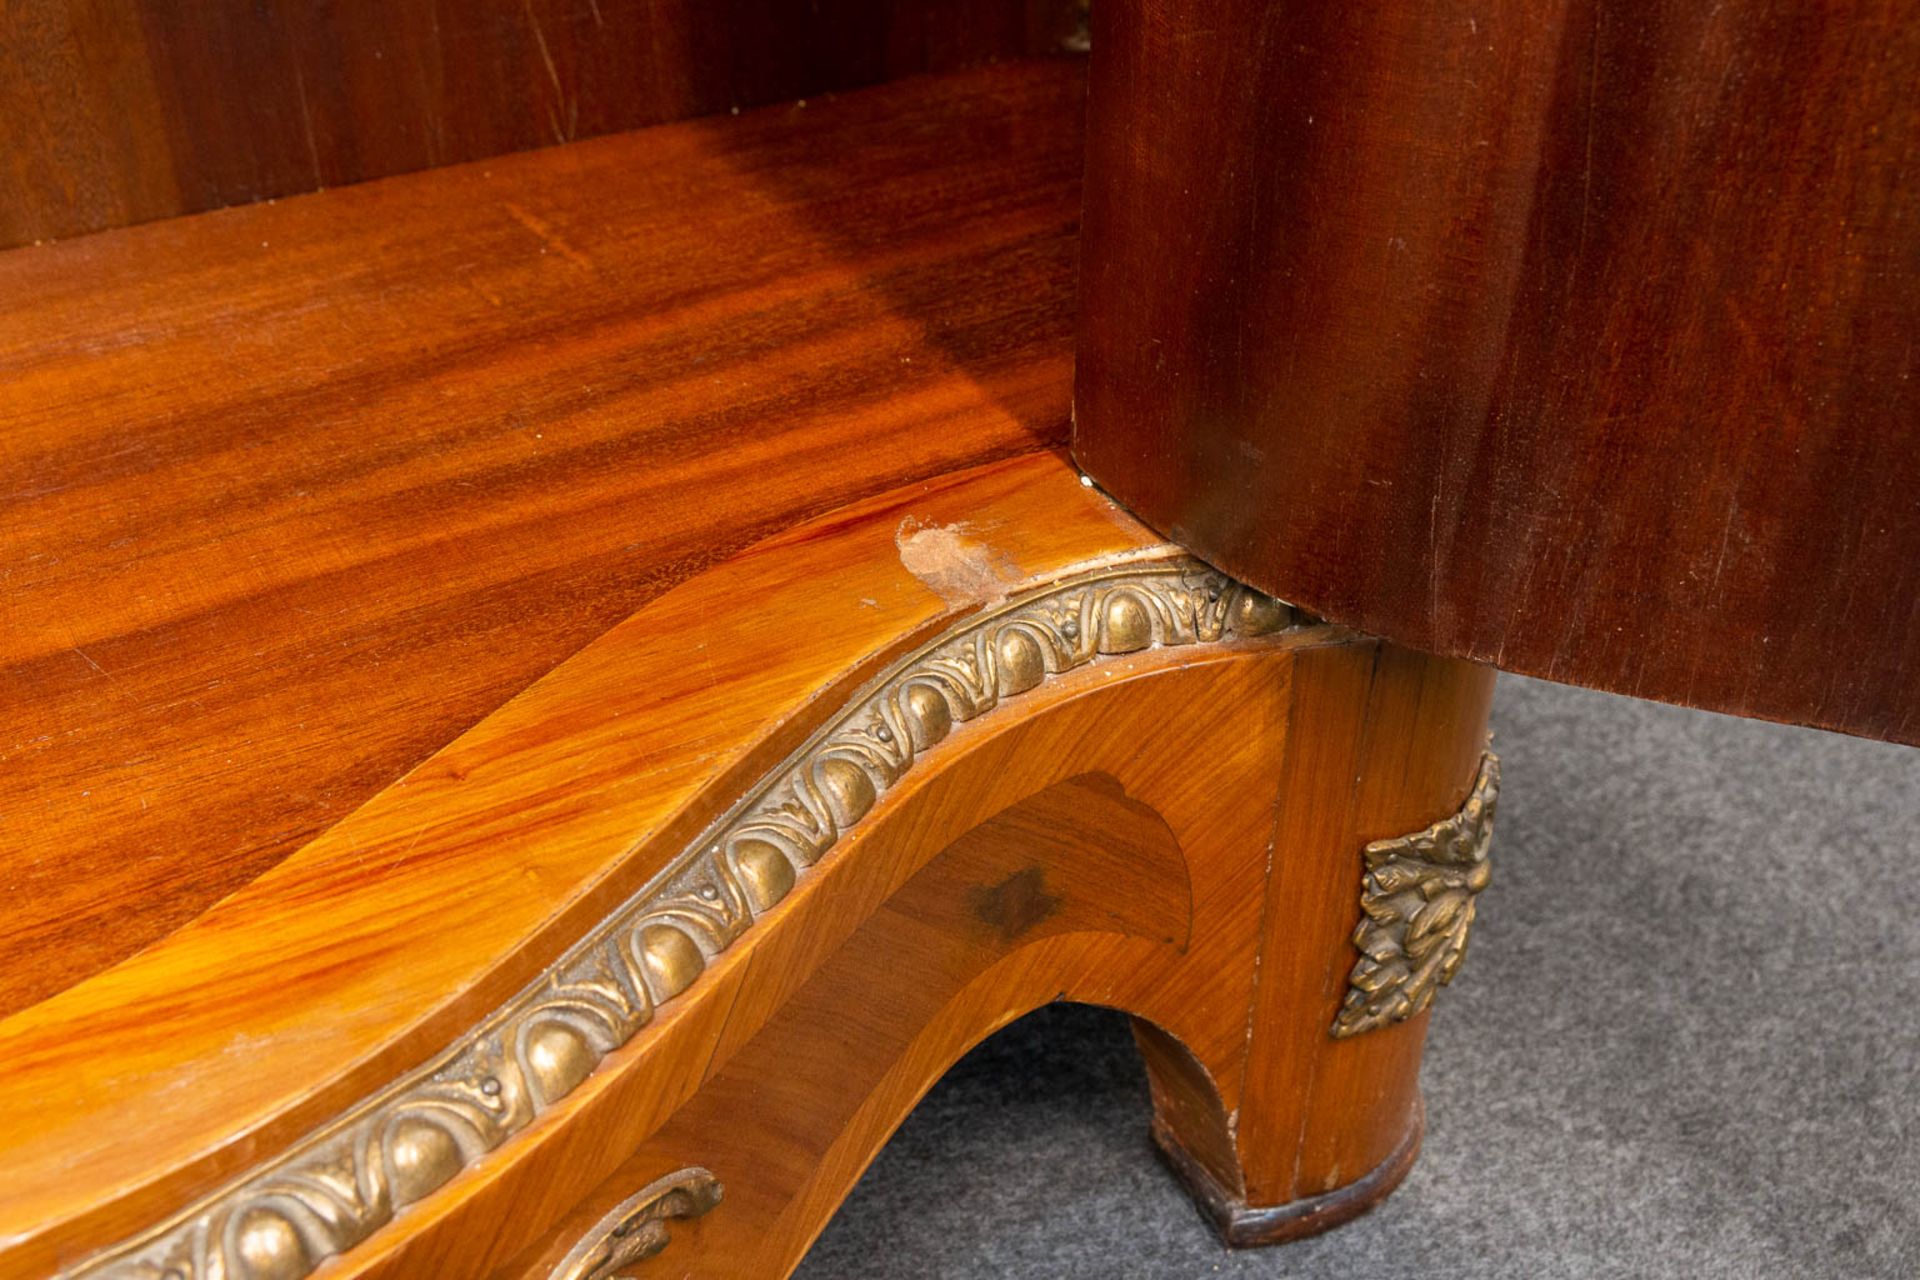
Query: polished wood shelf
[296,493]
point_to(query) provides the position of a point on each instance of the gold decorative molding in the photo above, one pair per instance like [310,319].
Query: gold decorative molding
[1417,898]
[636,1228]
[334,1187]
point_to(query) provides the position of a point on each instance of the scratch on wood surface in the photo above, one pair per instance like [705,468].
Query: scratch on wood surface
[1593,108]
[961,569]
[464,271]
[106,674]
[549,238]
[706,662]
[1433,563]
[306,121]
[430,96]
[553,74]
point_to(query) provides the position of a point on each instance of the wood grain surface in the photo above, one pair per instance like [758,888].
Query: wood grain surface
[292,495]
[393,931]
[1581,339]
[133,110]
[1113,835]
[1155,893]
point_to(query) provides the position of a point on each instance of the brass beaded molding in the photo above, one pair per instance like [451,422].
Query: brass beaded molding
[334,1187]
[1417,900]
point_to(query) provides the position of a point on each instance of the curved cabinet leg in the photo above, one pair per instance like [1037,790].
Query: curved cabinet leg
[1177,832]
[1182,843]
[1329,1117]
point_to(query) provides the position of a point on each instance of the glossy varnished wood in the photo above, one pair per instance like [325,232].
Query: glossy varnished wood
[380,940]
[126,112]
[1134,884]
[292,495]
[1581,339]
[1118,835]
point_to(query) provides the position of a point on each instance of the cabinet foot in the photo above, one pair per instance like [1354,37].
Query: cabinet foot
[1242,1225]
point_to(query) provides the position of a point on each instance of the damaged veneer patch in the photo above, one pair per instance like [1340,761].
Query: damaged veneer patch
[954,562]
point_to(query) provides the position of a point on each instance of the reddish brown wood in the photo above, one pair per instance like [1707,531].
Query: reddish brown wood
[121,113]
[1140,890]
[1581,339]
[292,495]
[1326,1127]
[1175,830]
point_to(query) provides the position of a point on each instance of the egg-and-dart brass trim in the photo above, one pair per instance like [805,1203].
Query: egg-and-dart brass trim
[334,1187]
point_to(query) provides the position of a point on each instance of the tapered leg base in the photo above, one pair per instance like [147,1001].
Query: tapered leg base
[1242,1225]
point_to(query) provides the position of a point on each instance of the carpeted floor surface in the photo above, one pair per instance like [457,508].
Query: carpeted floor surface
[1686,1044]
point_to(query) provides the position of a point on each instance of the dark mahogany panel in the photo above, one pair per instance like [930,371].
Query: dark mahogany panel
[1578,338]
[123,112]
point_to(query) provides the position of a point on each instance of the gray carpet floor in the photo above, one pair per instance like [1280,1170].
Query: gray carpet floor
[1686,1043]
